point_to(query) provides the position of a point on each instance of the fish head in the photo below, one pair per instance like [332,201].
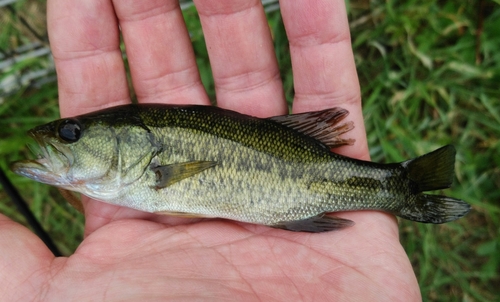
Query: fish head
[75,154]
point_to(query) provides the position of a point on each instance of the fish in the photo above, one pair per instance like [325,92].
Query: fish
[205,161]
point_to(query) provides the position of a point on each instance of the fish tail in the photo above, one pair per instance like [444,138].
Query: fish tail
[432,171]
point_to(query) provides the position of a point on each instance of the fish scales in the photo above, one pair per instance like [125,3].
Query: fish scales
[209,162]
[239,147]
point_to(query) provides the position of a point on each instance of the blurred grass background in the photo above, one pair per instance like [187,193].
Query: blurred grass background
[430,76]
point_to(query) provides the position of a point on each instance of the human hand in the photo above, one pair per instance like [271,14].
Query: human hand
[133,255]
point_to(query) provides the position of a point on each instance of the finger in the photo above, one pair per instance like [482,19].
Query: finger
[159,52]
[323,63]
[85,43]
[241,52]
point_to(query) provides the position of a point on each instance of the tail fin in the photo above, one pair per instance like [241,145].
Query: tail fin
[434,209]
[432,171]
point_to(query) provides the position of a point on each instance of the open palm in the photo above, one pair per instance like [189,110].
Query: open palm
[131,255]
[132,259]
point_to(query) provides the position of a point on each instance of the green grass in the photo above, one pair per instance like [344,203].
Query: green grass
[423,88]
[428,79]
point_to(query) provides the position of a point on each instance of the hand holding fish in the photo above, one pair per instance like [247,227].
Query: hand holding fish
[128,254]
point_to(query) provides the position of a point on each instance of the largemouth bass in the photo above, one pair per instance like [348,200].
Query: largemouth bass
[209,162]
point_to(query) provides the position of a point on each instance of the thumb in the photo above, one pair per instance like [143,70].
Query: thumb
[24,261]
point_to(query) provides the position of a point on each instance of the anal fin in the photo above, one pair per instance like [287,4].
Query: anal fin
[170,174]
[315,224]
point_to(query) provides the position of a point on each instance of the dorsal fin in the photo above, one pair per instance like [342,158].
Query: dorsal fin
[321,125]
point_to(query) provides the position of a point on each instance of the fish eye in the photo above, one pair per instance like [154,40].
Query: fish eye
[70,130]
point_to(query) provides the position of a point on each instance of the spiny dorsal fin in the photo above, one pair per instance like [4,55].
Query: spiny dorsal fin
[321,125]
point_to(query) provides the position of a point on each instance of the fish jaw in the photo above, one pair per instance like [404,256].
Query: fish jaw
[51,167]
[39,170]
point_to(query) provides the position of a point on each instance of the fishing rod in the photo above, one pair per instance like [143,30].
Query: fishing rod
[23,208]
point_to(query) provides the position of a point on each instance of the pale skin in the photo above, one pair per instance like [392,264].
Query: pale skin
[131,255]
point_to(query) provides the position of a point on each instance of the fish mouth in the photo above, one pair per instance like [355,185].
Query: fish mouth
[52,165]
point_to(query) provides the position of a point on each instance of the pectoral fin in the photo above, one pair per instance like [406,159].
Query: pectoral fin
[72,199]
[315,224]
[170,174]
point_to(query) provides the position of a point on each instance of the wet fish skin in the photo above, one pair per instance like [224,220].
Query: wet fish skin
[210,162]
